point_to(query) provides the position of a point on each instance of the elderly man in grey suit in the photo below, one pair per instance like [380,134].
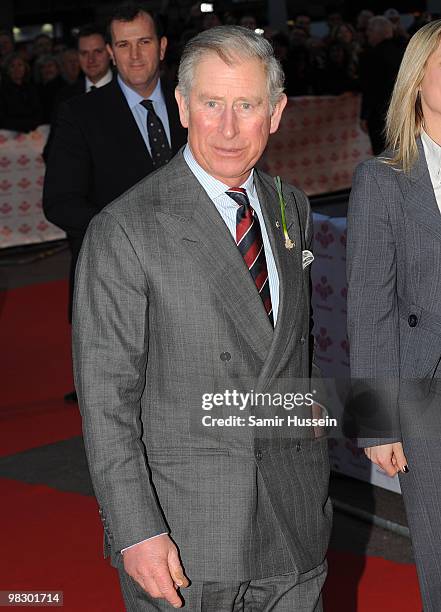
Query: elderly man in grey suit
[188,284]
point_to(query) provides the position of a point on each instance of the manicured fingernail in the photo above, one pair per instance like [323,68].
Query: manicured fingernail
[179,582]
[405,469]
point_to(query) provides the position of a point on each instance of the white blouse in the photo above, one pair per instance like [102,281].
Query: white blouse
[432,151]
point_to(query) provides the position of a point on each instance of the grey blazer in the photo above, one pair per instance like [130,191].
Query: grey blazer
[394,286]
[166,310]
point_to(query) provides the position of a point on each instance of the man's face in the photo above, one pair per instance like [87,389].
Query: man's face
[94,57]
[228,117]
[137,52]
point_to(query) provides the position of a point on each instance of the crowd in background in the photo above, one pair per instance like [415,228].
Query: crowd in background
[35,73]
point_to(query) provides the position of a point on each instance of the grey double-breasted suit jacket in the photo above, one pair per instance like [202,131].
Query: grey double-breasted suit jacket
[165,310]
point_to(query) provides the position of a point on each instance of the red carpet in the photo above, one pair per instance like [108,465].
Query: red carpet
[36,368]
[53,542]
[33,327]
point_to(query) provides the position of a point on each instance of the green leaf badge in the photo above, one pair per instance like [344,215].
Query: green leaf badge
[289,244]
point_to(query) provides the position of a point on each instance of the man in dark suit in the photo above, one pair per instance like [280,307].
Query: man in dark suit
[102,143]
[94,61]
[95,65]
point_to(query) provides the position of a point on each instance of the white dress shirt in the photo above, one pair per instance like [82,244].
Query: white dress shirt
[432,151]
[103,81]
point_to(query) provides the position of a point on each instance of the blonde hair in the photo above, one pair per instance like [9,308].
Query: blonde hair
[405,116]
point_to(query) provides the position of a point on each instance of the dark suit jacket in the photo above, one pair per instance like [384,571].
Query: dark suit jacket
[96,154]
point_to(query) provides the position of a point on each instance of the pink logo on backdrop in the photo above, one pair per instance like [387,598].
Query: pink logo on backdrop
[42,226]
[40,181]
[323,288]
[24,229]
[5,185]
[5,162]
[24,183]
[3,139]
[5,208]
[323,339]
[5,231]
[39,205]
[23,160]
[324,236]
[24,206]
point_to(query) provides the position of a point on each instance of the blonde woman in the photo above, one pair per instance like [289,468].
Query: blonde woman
[394,296]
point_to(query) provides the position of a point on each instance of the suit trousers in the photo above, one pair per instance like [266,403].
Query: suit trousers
[286,593]
[421,489]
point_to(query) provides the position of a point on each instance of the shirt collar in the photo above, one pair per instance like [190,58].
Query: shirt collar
[433,152]
[213,186]
[103,81]
[133,98]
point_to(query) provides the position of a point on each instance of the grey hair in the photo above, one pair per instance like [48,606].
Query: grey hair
[231,43]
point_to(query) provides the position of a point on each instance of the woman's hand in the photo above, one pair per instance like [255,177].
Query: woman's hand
[390,457]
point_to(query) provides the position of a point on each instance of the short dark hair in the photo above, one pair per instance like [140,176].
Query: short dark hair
[128,11]
[90,29]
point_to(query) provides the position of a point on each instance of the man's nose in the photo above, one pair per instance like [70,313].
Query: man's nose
[228,125]
[134,52]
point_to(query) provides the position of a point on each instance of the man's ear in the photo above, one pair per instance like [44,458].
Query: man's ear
[277,113]
[110,52]
[162,47]
[183,108]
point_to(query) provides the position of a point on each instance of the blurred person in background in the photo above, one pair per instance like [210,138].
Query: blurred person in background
[419,22]
[304,23]
[70,65]
[346,35]
[395,18]
[94,62]
[248,21]
[47,77]
[361,26]
[379,66]
[42,45]
[394,300]
[7,44]
[20,108]
[339,75]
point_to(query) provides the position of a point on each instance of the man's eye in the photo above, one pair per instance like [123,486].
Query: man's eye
[211,104]
[246,106]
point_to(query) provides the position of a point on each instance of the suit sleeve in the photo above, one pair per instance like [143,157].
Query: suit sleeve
[110,350]
[68,179]
[373,322]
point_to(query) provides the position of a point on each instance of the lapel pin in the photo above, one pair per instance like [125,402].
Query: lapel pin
[277,225]
[289,244]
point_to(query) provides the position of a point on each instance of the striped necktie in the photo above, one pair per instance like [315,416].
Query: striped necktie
[250,244]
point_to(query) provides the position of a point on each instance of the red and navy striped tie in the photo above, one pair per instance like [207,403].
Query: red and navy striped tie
[250,244]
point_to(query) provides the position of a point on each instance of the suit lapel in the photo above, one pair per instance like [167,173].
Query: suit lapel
[289,268]
[420,200]
[126,131]
[195,222]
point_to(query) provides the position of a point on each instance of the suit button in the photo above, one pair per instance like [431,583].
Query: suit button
[412,320]
[259,455]
[225,356]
